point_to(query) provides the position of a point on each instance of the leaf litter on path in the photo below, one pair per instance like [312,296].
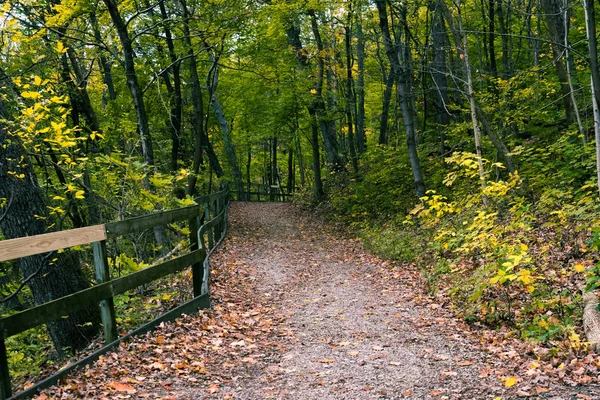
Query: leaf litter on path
[302,312]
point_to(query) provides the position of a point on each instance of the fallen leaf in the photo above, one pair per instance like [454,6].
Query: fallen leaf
[123,387]
[160,340]
[327,361]
[511,381]
[213,388]
[464,363]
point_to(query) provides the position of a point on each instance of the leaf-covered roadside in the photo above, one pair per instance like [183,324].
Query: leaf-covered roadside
[192,356]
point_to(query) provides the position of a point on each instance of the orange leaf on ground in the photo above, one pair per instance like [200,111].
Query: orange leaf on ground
[123,387]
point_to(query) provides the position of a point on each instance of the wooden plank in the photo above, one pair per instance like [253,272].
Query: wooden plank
[32,245]
[210,197]
[107,307]
[5,385]
[120,228]
[58,308]
[200,302]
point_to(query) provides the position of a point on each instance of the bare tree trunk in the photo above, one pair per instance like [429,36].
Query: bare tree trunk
[331,148]
[201,141]
[132,82]
[385,110]
[439,62]
[582,131]
[360,86]
[229,147]
[399,57]
[318,192]
[350,99]
[554,20]
[590,24]
[176,100]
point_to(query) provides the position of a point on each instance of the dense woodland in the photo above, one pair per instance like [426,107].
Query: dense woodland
[458,135]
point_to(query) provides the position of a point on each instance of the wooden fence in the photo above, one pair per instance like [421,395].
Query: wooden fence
[263,192]
[203,240]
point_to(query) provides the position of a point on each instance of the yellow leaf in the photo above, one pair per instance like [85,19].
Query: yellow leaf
[579,267]
[510,382]
[37,80]
[60,47]
[31,95]
[79,194]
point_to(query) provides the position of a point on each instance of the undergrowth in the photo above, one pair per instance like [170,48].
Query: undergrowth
[513,253]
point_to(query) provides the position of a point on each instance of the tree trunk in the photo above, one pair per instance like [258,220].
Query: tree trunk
[317,182]
[229,147]
[360,86]
[504,34]
[399,57]
[331,149]
[385,109]
[132,82]
[176,100]
[104,64]
[201,141]
[350,100]
[291,178]
[582,130]
[556,24]
[52,279]
[440,72]
[492,38]
[590,24]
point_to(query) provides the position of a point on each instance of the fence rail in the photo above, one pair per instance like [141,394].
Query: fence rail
[263,192]
[204,238]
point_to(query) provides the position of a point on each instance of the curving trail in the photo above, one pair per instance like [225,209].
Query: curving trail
[300,312]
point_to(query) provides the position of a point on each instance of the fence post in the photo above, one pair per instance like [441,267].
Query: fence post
[197,267]
[5,385]
[206,219]
[217,225]
[107,307]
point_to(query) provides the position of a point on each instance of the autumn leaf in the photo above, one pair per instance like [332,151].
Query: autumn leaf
[327,361]
[464,363]
[213,388]
[511,381]
[123,387]
[579,267]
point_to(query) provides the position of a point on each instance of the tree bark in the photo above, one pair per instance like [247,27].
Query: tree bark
[176,100]
[556,24]
[399,57]
[132,82]
[52,279]
[201,141]
[350,100]
[229,147]
[331,147]
[440,72]
[361,142]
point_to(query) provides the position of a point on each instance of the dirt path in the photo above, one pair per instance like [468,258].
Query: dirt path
[299,312]
[352,338]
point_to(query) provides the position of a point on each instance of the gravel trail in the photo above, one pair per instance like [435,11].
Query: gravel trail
[352,338]
[302,312]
